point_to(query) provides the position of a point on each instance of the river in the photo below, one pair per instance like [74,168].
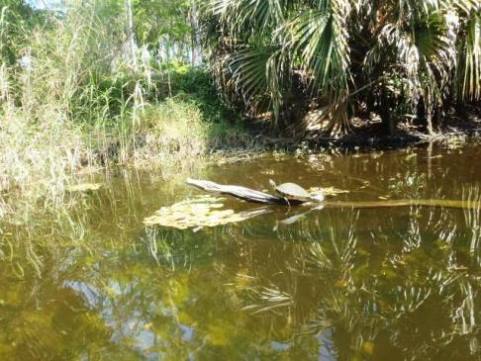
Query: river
[94,283]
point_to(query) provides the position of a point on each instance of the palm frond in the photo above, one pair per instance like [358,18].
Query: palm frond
[249,15]
[466,7]
[403,54]
[248,69]
[469,73]
[435,42]
[319,38]
[257,73]
[219,7]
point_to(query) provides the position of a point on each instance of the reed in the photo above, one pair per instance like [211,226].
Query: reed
[74,101]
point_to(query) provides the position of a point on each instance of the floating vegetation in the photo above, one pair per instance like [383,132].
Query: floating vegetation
[327,191]
[85,187]
[199,212]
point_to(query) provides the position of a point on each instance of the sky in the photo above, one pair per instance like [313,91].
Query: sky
[46,4]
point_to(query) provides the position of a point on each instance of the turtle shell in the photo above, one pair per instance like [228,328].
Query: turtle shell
[293,191]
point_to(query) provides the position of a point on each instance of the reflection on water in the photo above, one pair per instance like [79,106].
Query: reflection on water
[93,283]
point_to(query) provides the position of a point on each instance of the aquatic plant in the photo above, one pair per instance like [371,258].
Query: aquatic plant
[199,212]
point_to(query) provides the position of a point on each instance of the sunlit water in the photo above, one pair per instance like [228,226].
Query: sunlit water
[339,284]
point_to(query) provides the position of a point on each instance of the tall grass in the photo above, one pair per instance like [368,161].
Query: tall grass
[76,100]
[41,146]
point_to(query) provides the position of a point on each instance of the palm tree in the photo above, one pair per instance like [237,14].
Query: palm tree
[397,58]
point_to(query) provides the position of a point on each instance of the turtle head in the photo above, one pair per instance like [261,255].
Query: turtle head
[318,197]
[272,183]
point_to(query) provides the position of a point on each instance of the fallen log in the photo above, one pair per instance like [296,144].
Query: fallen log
[244,193]
[251,195]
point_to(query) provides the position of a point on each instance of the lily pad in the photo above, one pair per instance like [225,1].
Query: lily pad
[199,212]
[84,187]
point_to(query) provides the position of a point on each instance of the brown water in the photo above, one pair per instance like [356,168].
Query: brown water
[94,284]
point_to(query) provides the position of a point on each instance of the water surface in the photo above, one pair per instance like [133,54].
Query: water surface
[93,283]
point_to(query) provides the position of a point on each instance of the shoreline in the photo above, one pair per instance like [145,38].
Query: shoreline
[362,140]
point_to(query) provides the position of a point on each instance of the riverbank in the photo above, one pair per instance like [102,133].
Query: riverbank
[41,161]
[59,134]
[370,134]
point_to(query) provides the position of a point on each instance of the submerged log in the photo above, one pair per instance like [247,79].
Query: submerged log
[244,193]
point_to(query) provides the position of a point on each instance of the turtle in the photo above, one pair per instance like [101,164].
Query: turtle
[294,193]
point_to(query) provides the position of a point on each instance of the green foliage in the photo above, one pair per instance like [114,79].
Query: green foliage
[195,85]
[345,55]
[87,100]
[16,19]
[155,19]
[470,60]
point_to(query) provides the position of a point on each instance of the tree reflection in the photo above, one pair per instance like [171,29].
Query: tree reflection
[91,284]
[410,296]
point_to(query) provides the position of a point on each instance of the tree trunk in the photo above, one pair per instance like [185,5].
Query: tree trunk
[194,22]
[429,114]
[385,113]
